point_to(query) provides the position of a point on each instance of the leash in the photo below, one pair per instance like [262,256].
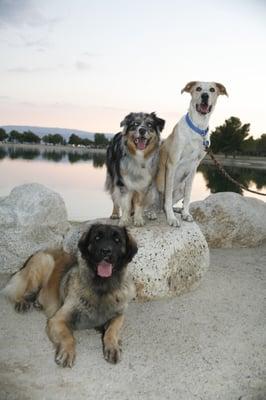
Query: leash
[226,175]
[203,133]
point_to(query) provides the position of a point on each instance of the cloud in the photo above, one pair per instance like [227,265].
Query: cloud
[4,98]
[27,70]
[23,12]
[40,43]
[83,66]
[88,54]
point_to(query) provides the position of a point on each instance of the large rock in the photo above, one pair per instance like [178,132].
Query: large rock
[169,261]
[31,217]
[230,220]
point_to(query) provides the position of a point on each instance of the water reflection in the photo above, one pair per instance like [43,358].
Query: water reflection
[51,155]
[25,154]
[2,153]
[216,182]
[71,155]
[99,160]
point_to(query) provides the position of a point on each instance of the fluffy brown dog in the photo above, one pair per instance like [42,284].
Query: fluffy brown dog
[90,290]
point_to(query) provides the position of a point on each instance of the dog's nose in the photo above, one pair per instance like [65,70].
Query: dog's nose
[142,131]
[205,97]
[106,251]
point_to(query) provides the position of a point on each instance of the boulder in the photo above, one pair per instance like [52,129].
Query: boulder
[31,217]
[170,261]
[231,220]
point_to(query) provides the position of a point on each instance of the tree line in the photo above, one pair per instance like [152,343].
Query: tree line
[231,138]
[30,137]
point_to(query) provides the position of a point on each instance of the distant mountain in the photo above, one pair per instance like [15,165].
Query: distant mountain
[41,131]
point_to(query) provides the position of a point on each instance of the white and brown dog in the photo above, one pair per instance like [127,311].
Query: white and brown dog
[182,151]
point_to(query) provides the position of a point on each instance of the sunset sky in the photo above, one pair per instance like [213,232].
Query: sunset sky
[85,64]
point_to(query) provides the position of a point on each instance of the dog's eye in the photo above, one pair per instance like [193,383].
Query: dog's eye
[198,89]
[149,124]
[136,124]
[212,89]
[117,239]
[98,237]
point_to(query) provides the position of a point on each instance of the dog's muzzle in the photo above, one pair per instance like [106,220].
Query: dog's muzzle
[141,141]
[204,107]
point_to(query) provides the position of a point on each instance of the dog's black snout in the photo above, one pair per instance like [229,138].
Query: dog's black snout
[205,97]
[142,131]
[106,251]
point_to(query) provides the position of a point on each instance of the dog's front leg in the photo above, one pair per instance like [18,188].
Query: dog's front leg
[169,185]
[138,202]
[61,336]
[111,341]
[126,206]
[186,216]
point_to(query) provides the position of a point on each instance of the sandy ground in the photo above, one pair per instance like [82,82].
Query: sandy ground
[208,344]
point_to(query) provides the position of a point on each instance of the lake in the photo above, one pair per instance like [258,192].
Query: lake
[79,178]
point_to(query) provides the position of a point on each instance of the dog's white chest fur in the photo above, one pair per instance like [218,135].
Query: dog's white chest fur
[183,150]
[138,172]
[190,144]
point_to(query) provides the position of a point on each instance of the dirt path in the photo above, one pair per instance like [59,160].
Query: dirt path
[206,345]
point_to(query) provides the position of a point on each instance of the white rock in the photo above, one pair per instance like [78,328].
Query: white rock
[31,217]
[230,220]
[169,261]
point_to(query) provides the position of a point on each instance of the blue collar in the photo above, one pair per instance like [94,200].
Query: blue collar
[201,132]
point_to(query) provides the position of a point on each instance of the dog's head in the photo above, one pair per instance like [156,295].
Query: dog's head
[106,250]
[204,95]
[142,131]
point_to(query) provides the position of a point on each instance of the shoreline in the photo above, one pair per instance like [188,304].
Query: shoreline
[250,162]
[43,147]
[238,161]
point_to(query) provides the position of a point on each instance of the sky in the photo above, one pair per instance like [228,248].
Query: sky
[86,64]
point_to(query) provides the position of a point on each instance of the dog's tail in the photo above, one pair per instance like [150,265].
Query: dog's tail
[161,175]
[109,184]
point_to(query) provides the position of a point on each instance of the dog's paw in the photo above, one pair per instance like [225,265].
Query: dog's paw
[112,352]
[114,216]
[151,215]
[125,221]
[22,306]
[65,356]
[37,305]
[187,217]
[139,221]
[173,221]
[177,210]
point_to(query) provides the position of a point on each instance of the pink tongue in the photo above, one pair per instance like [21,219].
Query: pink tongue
[141,144]
[204,107]
[104,269]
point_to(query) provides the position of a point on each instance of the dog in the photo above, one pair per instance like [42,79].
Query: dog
[88,290]
[184,148]
[132,164]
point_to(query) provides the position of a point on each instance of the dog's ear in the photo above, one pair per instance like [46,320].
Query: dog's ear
[85,240]
[131,246]
[159,122]
[221,89]
[188,87]
[126,121]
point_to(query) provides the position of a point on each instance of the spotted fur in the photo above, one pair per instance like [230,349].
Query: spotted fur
[132,163]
